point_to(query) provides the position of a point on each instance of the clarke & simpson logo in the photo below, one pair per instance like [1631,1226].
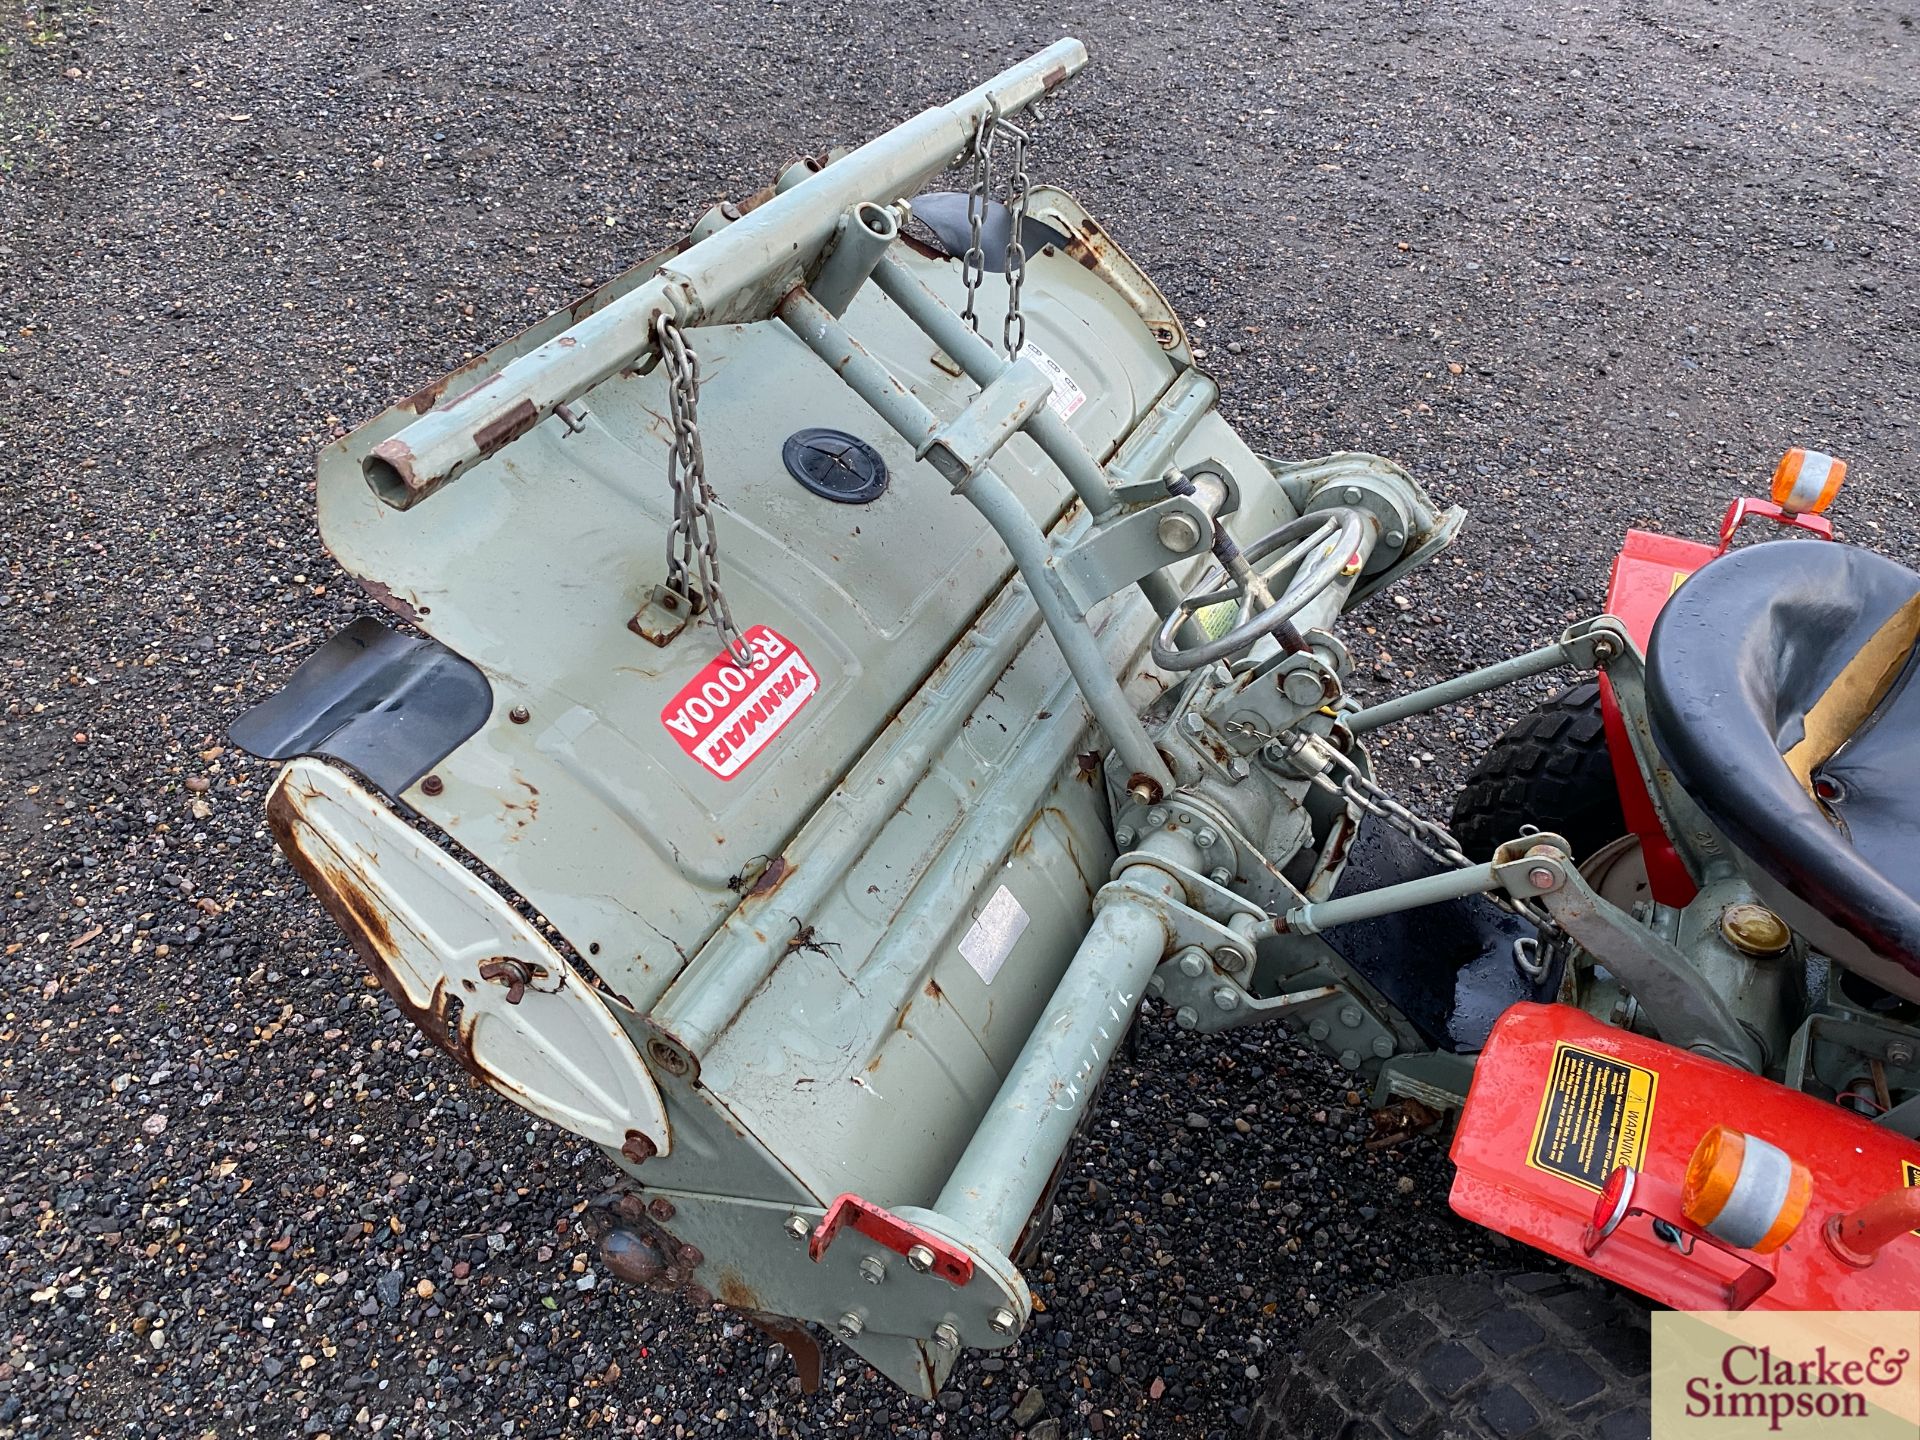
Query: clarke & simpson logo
[1752,1383]
[1836,1375]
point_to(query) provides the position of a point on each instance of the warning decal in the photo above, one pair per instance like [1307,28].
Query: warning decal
[725,716]
[1067,396]
[1593,1117]
[1912,1176]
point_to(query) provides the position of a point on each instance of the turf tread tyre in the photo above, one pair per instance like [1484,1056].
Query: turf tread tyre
[1551,770]
[1478,1357]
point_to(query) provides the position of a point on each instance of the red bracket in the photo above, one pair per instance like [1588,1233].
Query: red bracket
[1720,1277]
[1750,506]
[883,1227]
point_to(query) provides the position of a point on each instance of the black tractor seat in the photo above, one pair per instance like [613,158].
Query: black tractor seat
[1780,683]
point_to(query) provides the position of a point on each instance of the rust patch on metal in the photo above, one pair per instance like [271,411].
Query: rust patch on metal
[383,594]
[523,812]
[1086,768]
[771,878]
[507,428]
[421,401]
[359,918]
[735,1292]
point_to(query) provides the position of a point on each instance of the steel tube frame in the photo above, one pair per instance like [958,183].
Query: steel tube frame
[1055,437]
[1311,919]
[1474,682]
[1002,1175]
[738,273]
[1018,531]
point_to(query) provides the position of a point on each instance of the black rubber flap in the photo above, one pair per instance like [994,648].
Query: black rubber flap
[835,465]
[390,706]
[1448,967]
[944,212]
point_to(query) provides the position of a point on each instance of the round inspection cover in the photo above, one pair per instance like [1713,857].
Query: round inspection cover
[835,465]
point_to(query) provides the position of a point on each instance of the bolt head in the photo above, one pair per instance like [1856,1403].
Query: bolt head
[1192,964]
[1239,769]
[432,785]
[1156,986]
[1186,1017]
[1540,877]
[850,1325]
[1226,998]
[1178,532]
[1206,837]
[1123,837]
[1899,1052]
[1193,722]
[1350,1016]
[920,1257]
[518,715]
[1349,1059]
[798,1227]
[1003,1322]
[1220,875]
[1383,1046]
[1396,538]
[1351,495]
[873,1270]
[945,1336]
[1318,1029]
[1156,817]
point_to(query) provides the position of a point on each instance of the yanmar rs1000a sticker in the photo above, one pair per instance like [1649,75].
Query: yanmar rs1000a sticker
[725,716]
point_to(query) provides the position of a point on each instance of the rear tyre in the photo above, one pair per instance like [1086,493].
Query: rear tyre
[1476,1357]
[1552,771]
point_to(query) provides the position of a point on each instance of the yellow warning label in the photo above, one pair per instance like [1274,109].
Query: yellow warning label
[1593,1116]
[1679,579]
[1216,620]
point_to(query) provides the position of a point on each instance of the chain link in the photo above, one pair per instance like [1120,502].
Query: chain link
[692,549]
[973,264]
[1533,958]
[1019,190]
[1013,333]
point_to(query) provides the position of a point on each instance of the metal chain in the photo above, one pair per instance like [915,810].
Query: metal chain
[691,546]
[973,264]
[1533,958]
[1019,190]
[1013,333]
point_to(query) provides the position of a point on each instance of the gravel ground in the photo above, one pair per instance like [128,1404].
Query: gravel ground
[1577,266]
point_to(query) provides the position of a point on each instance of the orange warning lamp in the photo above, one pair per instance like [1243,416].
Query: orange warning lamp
[1744,1191]
[1805,481]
